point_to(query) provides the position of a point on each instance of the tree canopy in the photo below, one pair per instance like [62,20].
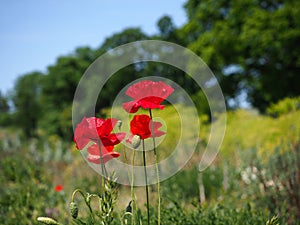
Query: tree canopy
[26,99]
[250,45]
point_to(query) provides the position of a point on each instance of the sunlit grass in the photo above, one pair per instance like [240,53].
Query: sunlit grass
[30,169]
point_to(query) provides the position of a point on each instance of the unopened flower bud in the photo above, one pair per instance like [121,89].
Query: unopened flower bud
[119,124]
[88,198]
[136,141]
[74,209]
[47,220]
[129,208]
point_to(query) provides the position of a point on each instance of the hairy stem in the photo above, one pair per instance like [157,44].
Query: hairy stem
[103,169]
[146,187]
[132,190]
[157,168]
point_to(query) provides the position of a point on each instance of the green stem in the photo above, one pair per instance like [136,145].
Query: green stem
[103,169]
[146,187]
[132,190]
[74,193]
[127,162]
[84,197]
[157,169]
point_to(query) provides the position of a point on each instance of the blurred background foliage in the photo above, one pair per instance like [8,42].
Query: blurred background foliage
[255,176]
[253,49]
[251,46]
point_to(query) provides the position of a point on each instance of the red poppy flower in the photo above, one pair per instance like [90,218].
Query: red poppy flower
[147,94]
[98,131]
[107,154]
[141,125]
[58,188]
[94,129]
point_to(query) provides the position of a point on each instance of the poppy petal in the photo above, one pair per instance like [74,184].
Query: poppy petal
[113,139]
[146,104]
[147,94]
[94,150]
[98,130]
[131,107]
[96,158]
[107,127]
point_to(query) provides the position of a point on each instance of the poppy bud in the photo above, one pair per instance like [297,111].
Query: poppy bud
[119,124]
[47,220]
[136,141]
[129,208]
[74,209]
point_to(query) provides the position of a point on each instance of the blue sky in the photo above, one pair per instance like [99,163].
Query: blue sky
[33,33]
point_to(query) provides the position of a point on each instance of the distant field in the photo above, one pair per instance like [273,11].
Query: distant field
[30,170]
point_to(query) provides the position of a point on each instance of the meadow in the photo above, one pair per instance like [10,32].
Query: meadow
[255,177]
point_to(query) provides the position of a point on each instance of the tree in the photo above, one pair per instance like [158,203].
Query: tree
[126,36]
[4,107]
[26,99]
[250,45]
[5,117]
[167,29]
[124,76]
[58,88]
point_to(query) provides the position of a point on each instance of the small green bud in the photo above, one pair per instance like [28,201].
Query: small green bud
[119,124]
[88,198]
[47,220]
[136,141]
[74,209]
[129,208]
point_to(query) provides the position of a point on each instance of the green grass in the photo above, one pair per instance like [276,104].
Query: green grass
[30,169]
